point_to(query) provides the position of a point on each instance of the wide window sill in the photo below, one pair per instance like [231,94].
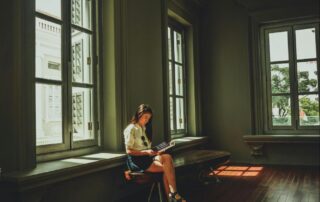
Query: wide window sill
[257,142]
[282,138]
[189,142]
[59,170]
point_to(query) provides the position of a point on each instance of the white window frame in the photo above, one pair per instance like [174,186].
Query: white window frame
[66,83]
[174,26]
[266,119]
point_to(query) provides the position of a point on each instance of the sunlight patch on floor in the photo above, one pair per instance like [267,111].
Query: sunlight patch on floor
[246,171]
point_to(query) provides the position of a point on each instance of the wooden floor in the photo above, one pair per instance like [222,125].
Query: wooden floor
[253,184]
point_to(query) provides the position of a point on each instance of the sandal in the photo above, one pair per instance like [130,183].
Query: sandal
[175,197]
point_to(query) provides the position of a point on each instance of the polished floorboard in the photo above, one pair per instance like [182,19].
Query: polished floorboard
[243,183]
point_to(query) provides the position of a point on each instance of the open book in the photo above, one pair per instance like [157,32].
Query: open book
[163,146]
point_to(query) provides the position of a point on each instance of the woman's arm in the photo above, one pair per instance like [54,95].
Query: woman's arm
[147,152]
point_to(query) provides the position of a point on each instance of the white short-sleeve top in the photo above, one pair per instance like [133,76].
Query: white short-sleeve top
[133,137]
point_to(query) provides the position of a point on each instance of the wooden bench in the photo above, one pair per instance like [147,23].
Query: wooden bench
[196,161]
[191,161]
[199,162]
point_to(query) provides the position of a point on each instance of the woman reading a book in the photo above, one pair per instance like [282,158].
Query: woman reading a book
[138,138]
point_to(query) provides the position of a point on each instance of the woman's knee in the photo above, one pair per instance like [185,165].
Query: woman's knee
[155,167]
[166,158]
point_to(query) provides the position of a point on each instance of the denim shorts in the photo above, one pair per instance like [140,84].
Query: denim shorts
[139,163]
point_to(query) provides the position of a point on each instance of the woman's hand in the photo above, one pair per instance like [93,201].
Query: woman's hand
[161,152]
[150,152]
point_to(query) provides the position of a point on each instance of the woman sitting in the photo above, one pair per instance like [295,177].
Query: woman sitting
[141,158]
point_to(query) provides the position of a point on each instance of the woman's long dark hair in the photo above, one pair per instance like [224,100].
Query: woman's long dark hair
[143,109]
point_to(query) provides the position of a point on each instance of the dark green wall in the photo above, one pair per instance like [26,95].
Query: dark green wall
[225,78]
[14,93]
[144,66]
[6,97]
[98,187]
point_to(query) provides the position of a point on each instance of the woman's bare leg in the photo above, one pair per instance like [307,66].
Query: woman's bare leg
[168,169]
[166,186]
[164,163]
[157,167]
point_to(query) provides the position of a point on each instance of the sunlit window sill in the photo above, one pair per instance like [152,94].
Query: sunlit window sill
[59,170]
[189,142]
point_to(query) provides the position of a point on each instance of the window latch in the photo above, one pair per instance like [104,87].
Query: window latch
[98,125]
[89,60]
[89,125]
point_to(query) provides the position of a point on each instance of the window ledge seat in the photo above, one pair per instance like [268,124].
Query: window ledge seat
[200,156]
[59,170]
[189,142]
[256,142]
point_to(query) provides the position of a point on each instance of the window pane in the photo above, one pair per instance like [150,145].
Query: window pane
[177,47]
[81,13]
[81,57]
[48,50]
[309,110]
[48,114]
[306,43]
[49,7]
[82,114]
[307,76]
[281,111]
[180,113]
[169,43]
[280,82]
[170,79]
[278,42]
[179,80]
[171,114]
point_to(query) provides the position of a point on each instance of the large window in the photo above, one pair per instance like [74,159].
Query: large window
[291,68]
[177,81]
[65,75]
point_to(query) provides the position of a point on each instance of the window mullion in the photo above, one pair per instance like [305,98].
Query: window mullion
[173,81]
[95,71]
[293,78]
[184,80]
[317,26]
[66,60]
[268,80]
